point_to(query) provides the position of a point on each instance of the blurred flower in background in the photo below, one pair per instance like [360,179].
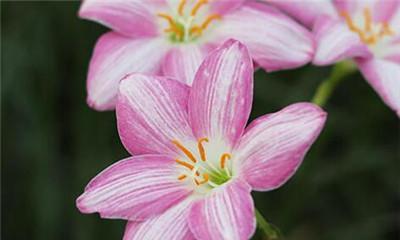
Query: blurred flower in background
[367,31]
[172,38]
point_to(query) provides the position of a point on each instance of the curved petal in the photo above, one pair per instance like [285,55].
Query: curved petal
[274,40]
[134,188]
[171,225]
[274,145]
[221,95]
[227,213]
[384,78]
[182,62]
[115,56]
[335,42]
[306,13]
[133,18]
[151,113]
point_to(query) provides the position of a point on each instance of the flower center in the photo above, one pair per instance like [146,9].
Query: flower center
[368,31]
[204,172]
[184,26]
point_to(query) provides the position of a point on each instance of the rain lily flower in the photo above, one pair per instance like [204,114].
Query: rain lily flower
[368,31]
[194,163]
[171,38]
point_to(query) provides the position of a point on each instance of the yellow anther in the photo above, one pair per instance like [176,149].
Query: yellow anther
[185,151]
[224,157]
[181,7]
[197,7]
[181,177]
[209,19]
[185,164]
[201,148]
[368,19]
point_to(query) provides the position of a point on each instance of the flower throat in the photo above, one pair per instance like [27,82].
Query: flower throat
[183,27]
[203,172]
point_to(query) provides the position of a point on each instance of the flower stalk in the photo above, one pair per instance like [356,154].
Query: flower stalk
[270,231]
[325,89]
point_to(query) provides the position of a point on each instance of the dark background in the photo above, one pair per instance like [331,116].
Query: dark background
[52,144]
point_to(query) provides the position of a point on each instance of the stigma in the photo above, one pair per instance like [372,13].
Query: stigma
[184,25]
[203,169]
[370,32]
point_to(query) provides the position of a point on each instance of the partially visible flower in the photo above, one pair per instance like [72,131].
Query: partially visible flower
[368,31]
[172,38]
[194,164]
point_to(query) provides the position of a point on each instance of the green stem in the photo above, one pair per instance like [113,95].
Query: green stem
[270,232]
[325,89]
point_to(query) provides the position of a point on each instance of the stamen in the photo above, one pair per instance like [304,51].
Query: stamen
[349,21]
[197,7]
[385,30]
[185,151]
[181,177]
[224,157]
[181,7]
[205,178]
[368,19]
[209,20]
[185,164]
[172,25]
[201,148]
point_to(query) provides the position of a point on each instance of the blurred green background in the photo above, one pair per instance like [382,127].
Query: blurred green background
[52,144]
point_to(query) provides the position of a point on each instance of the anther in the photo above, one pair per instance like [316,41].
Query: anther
[197,7]
[181,177]
[224,157]
[368,19]
[201,148]
[185,151]
[185,164]
[181,7]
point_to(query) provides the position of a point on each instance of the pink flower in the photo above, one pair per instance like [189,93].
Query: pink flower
[194,163]
[172,38]
[368,31]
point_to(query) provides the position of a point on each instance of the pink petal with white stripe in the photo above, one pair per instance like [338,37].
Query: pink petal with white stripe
[128,17]
[335,42]
[151,113]
[382,10]
[274,145]
[171,225]
[227,213]
[384,77]
[306,13]
[134,189]
[224,7]
[221,95]
[182,62]
[114,57]
[274,40]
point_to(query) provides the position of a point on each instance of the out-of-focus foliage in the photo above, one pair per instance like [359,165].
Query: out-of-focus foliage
[53,144]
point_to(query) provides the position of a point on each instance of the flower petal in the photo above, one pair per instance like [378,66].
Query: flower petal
[183,61]
[151,113]
[335,42]
[382,11]
[384,78]
[274,40]
[129,17]
[274,145]
[224,7]
[171,225]
[227,213]
[115,56]
[221,95]
[306,13]
[135,188]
